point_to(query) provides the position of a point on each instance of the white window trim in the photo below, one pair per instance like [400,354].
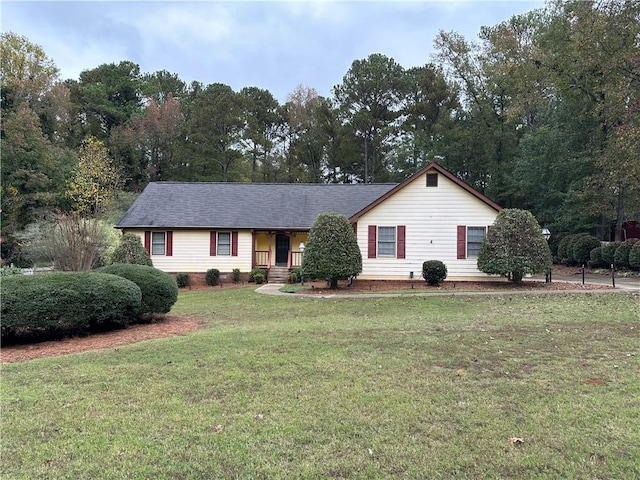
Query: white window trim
[395,242]
[218,244]
[164,243]
[474,255]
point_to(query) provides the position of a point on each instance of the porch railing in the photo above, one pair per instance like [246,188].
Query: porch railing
[296,259]
[262,258]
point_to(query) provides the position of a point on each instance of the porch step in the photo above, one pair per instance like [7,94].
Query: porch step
[278,275]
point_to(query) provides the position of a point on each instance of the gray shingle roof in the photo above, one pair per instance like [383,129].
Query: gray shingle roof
[245,205]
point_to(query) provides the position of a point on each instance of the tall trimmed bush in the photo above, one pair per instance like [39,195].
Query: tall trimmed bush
[159,289]
[621,258]
[634,256]
[67,302]
[130,250]
[609,252]
[595,258]
[514,246]
[332,250]
[582,246]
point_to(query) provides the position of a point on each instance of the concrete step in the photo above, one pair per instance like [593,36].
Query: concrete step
[278,275]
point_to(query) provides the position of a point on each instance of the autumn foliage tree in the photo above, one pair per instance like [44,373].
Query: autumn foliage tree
[94,180]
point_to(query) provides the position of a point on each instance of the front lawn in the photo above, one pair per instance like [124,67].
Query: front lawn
[289,387]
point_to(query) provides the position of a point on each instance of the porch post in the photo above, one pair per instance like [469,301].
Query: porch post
[253,249]
[269,254]
[290,253]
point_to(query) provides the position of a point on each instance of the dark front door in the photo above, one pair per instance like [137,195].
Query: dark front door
[282,250]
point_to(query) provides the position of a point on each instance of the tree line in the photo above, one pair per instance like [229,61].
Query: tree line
[540,113]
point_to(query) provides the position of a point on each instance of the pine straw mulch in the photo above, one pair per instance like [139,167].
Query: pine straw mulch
[160,326]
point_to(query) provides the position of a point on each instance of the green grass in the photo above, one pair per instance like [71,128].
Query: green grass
[289,387]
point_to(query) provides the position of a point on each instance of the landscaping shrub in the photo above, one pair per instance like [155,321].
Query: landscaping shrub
[609,252]
[212,277]
[182,279]
[634,256]
[258,277]
[7,270]
[130,250]
[563,249]
[621,257]
[67,302]
[235,275]
[253,273]
[582,246]
[595,258]
[159,289]
[434,271]
[514,246]
[295,275]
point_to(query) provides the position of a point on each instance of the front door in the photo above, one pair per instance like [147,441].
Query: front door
[282,250]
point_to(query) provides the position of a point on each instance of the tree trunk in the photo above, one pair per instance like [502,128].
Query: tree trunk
[366,160]
[619,214]
[333,283]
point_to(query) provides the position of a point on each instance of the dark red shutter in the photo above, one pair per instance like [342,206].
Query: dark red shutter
[234,244]
[462,242]
[372,241]
[401,241]
[213,243]
[147,242]
[169,244]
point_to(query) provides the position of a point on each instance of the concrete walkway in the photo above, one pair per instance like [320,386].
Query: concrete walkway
[622,284]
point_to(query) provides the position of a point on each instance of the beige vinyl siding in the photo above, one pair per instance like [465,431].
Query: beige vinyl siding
[191,253]
[431,216]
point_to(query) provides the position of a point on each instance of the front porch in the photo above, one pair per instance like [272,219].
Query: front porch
[277,249]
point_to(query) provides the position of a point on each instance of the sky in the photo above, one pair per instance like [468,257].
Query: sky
[274,45]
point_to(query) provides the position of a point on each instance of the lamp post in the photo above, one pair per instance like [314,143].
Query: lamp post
[547,235]
[301,247]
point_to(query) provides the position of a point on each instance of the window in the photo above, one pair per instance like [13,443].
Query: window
[432,179]
[386,241]
[475,237]
[158,243]
[224,243]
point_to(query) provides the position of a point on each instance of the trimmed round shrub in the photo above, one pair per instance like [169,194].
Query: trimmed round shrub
[621,257]
[235,275]
[564,255]
[634,256]
[609,252]
[582,247]
[212,277]
[252,274]
[434,271]
[159,289]
[182,279]
[258,277]
[130,250]
[67,302]
[595,258]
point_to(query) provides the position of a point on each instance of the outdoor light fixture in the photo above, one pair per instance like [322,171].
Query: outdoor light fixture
[301,247]
[546,233]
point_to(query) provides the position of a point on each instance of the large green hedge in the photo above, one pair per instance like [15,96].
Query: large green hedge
[159,289]
[67,302]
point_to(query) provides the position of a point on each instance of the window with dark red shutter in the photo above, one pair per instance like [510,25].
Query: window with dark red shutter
[147,241]
[169,243]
